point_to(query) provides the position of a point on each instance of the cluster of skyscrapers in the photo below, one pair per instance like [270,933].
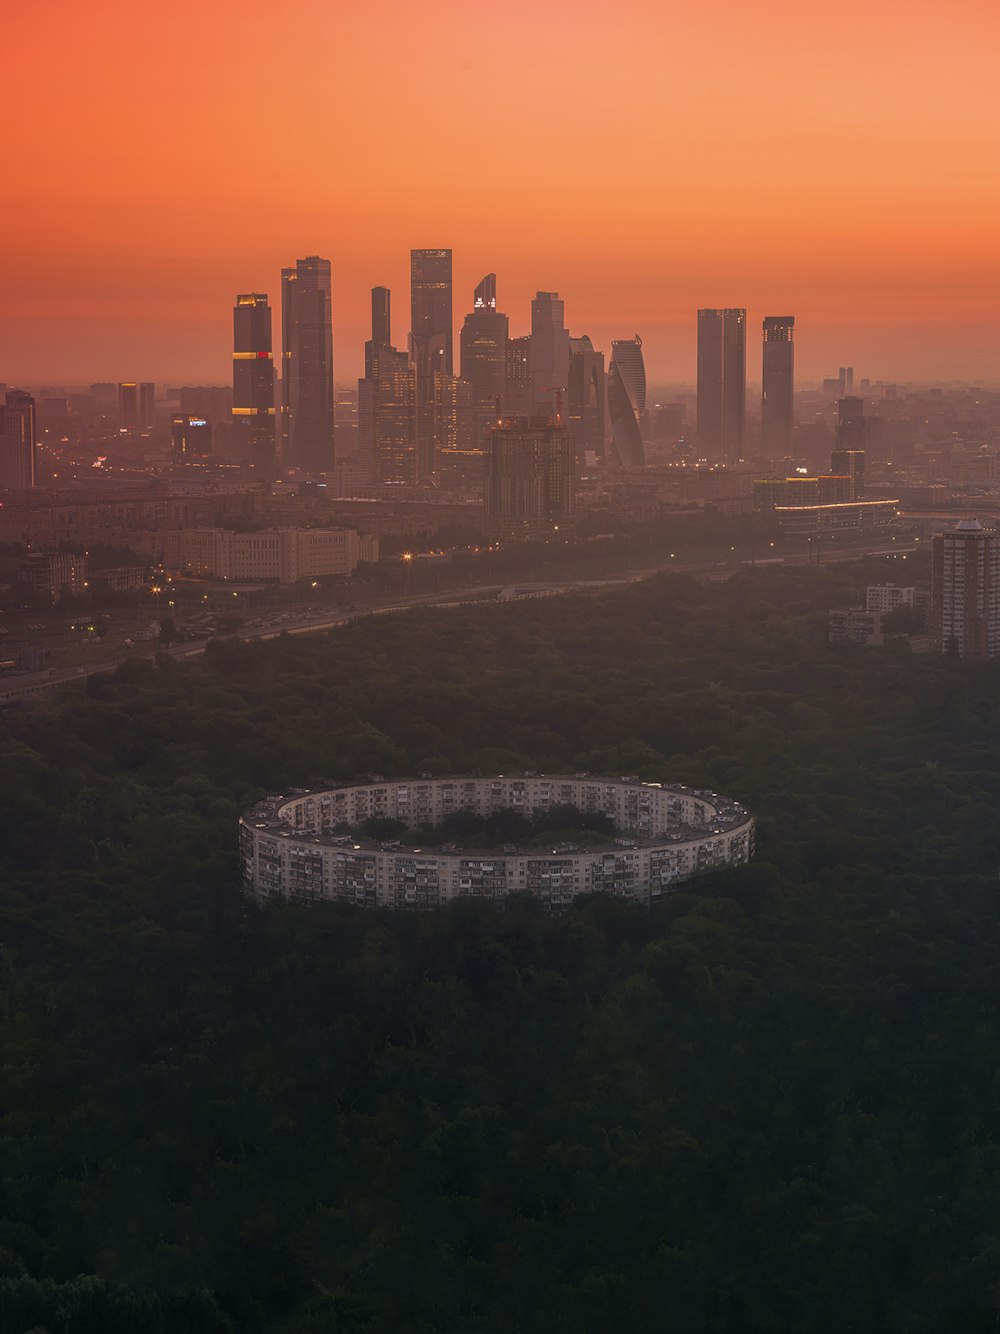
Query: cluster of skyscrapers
[419,416]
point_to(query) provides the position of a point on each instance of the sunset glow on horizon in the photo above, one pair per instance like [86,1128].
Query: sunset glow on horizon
[834,163]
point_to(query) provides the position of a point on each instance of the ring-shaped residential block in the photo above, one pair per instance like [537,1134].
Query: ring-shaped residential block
[294,846]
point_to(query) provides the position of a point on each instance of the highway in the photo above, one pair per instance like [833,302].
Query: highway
[15,688]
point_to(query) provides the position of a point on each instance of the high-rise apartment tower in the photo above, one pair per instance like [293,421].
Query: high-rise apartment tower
[965,591]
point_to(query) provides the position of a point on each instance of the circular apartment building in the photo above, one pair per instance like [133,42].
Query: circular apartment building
[294,846]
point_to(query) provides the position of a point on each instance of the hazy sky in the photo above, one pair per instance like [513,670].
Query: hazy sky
[835,161]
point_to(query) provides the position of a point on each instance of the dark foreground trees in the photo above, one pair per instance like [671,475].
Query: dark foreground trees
[770,1106]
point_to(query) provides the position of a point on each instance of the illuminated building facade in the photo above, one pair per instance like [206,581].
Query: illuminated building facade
[627,401]
[722,362]
[17,441]
[253,382]
[191,437]
[777,386]
[483,347]
[965,592]
[529,485]
[585,399]
[830,502]
[291,847]
[307,366]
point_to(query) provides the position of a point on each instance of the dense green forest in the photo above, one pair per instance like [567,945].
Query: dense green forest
[773,1104]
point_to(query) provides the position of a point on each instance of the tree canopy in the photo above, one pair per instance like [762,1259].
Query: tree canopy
[771,1104]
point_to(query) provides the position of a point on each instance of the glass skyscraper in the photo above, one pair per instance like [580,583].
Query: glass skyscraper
[627,400]
[778,386]
[722,383]
[253,382]
[430,341]
[483,344]
[307,366]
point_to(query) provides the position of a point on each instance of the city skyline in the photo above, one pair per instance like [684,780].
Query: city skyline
[870,216]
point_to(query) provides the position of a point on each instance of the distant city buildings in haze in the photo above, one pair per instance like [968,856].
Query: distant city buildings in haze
[191,437]
[136,405]
[627,401]
[529,492]
[307,366]
[852,429]
[965,592]
[128,405]
[722,360]
[253,382]
[17,441]
[777,387]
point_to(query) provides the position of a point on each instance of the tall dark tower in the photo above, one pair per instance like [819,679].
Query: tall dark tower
[430,341]
[778,381]
[17,441]
[549,351]
[381,323]
[386,402]
[517,397]
[483,345]
[307,366]
[852,429]
[253,382]
[722,381]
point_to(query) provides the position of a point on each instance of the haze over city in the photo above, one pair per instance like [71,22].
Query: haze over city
[500,667]
[644,161]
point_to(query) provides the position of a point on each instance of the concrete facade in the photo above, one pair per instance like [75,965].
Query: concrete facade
[294,847]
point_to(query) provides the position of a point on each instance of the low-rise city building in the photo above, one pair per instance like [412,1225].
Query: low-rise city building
[283,554]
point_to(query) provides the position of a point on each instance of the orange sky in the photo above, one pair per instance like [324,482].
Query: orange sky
[835,161]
